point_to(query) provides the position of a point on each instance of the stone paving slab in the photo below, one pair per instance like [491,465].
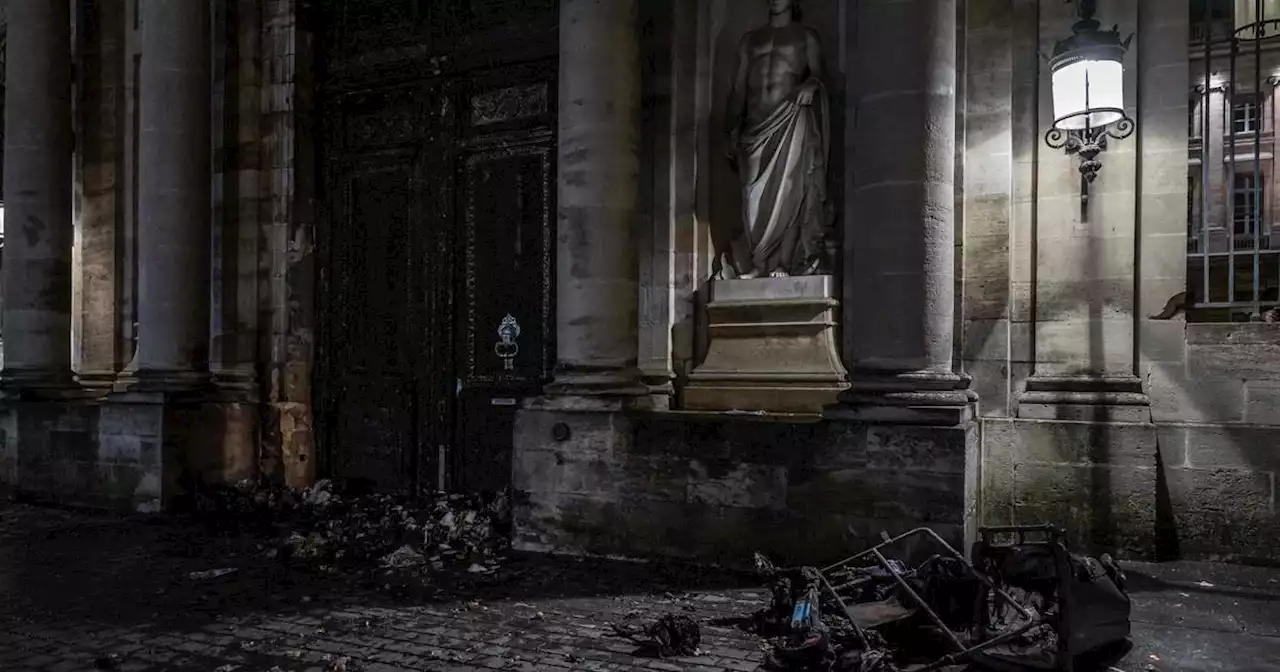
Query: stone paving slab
[77,587]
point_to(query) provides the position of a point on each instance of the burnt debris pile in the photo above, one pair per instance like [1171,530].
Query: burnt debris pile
[1022,605]
[333,528]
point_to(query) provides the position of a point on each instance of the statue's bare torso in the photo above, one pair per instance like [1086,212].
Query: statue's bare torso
[776,63]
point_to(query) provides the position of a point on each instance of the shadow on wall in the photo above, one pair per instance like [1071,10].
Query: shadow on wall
[1196,482]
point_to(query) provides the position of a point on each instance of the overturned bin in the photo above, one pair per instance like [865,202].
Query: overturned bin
[1021,601]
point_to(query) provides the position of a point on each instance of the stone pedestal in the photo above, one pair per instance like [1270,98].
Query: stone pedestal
[772,347]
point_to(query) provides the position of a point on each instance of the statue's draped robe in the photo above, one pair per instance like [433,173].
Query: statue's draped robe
[782,165]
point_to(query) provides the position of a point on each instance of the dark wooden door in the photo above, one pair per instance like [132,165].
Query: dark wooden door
[438,222]
[378,340]
[505,315]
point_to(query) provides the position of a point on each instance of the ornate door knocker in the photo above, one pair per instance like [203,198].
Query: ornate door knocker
[506,347]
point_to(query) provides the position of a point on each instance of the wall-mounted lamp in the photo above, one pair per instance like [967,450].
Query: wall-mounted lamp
[1087,72]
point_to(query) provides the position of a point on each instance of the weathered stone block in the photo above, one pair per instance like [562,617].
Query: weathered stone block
[1082,412]
[874,493]
[1224,514]
[989,16]
[986,255]
[131,419]
[595,434]
[8,472]
[991,171]
[1177,398]
[119,448]
[1073,259]
[911,448]
[8,432]
[1073,443]
[1160,340]
[1085,300]
[556,471]
[1255,361]
[716,488]
[1235,333]
[1085,347]
[998,488]
[584,524]
[1233,446]
[1171,443]
[748,485]
[1262,402]
[72,445]
[991,382]
[838,445]
[1244,494]
[1101,507]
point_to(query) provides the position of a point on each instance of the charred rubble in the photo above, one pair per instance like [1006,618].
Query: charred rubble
[342,527]
[1020,602]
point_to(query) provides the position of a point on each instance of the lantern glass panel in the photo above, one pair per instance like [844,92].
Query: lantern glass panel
[1088,94]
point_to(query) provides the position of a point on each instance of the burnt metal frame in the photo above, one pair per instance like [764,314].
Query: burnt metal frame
[963,654]
[1089,142]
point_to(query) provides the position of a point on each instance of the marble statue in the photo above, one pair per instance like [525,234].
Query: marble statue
[779,141]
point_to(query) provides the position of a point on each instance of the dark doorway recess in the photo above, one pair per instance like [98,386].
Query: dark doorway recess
[437,144]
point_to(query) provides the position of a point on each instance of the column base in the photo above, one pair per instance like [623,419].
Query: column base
[597,382]
[163,381]
[1087,398]
[38,384]
[101,381]
[238,384]
[917,397]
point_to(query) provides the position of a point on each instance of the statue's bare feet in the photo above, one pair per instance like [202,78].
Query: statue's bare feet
[779,273]
[749,275]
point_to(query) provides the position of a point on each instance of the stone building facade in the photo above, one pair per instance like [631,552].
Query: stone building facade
[470,245]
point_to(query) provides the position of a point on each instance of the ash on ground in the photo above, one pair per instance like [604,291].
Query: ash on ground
[333,528]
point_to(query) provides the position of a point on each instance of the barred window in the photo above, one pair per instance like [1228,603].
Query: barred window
[1233,266]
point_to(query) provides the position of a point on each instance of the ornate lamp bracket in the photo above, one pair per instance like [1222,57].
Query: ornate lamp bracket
[1088,144]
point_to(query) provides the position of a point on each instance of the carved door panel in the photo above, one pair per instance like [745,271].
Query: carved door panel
[374,329]
[438,206]
[506,243]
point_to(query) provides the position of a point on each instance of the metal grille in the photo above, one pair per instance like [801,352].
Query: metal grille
[1233,268]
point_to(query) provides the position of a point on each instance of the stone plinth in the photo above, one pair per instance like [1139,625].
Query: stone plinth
[715,487]
[772,347]
[136,451]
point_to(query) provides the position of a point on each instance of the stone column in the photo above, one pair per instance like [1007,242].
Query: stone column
[174,183]
[899,291]
[598,198]
[38,195]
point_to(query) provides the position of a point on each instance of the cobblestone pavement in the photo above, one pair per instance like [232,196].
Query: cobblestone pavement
[82,591]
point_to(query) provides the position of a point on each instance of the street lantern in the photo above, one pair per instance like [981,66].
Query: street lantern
[1257,19]
[1087,71]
